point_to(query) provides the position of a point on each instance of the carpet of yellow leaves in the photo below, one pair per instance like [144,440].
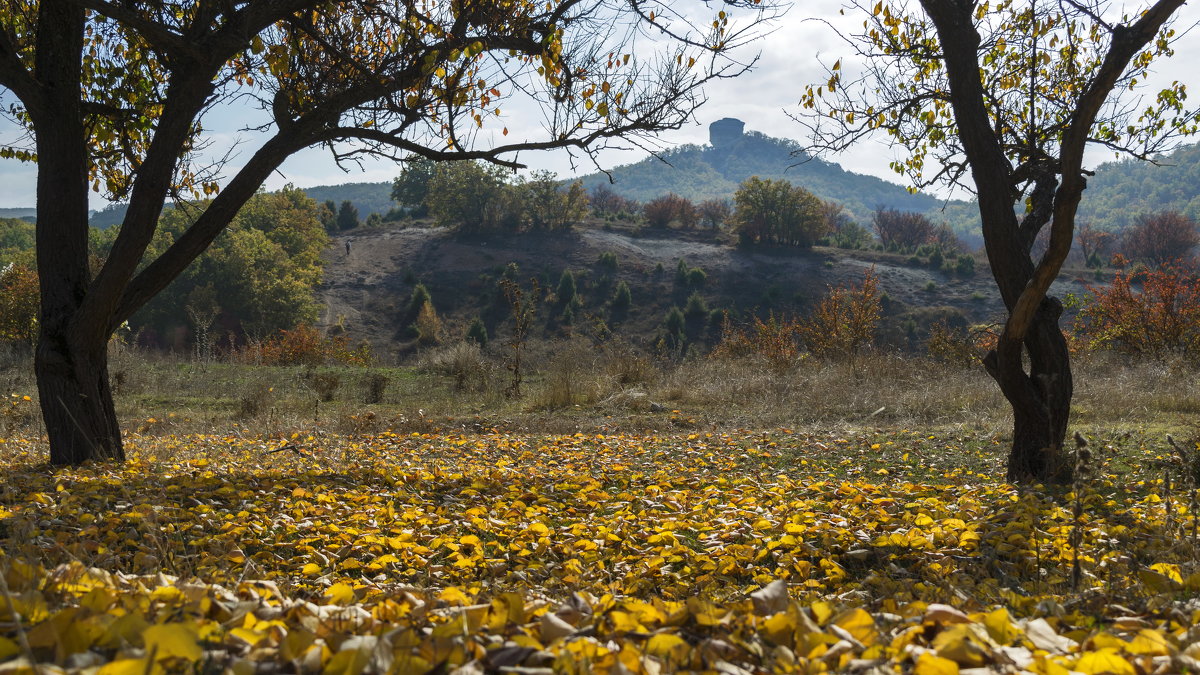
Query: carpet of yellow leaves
[506,553]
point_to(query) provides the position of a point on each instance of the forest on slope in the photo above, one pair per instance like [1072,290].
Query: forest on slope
[1123,190]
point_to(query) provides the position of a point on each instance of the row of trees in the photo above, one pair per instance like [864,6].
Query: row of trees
[472,197]
[1156,239]
[778,212]
[258,278]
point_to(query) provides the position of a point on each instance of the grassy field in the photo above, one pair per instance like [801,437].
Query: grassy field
[709,515]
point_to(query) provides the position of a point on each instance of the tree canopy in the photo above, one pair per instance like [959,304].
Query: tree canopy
[261,273]
[777,212]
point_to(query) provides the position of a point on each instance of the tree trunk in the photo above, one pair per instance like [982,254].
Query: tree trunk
[1040,400]
[71,359]
[77,403]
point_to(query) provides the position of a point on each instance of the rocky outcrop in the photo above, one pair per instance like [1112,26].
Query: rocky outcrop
[724,134]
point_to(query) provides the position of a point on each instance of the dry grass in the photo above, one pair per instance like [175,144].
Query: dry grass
[577,385]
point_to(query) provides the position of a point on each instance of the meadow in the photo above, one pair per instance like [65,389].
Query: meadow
[713,515]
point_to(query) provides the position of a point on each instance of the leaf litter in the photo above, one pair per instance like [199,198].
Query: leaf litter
[493,552]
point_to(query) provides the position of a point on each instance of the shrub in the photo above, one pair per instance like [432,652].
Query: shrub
[1161,239]
[567,292]
[19,299]
[374,388]
[428,326]
[1094,244]
[845,321]
[773,340]
[477,333]
[304,345]
[670,208]
[462,361]
[951,345]
[902,230]
[324,385]
[419,298]
[695,278]
[696,307]
[622,298]
[965,267]
[1163,317]
[607,262]
[674,323]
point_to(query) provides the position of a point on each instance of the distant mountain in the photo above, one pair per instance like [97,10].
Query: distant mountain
[716,171]
[368,198]
[25,214]
[1121,191]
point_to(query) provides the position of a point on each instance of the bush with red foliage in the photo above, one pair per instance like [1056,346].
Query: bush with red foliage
[1094,244]
[671,208]
[304,345]
[1162,317]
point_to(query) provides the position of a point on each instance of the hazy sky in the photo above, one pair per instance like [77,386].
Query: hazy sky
[790,58]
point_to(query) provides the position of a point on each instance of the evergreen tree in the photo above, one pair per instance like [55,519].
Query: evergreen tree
[477,333]
[567,291]
[622,298]
[347,217]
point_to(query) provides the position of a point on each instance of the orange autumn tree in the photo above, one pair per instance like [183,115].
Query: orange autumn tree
[115,96]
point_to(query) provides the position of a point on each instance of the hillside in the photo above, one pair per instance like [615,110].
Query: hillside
[1120,191]
[25,214]
[368,198]
[716,170]
[366,291]
[1115,195]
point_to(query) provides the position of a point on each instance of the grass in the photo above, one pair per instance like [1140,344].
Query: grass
[576,385]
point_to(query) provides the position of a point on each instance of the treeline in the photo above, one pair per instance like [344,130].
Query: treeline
[473,197]
[779,213]
[258,277]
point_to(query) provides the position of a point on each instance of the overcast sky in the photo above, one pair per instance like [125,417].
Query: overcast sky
[790,58]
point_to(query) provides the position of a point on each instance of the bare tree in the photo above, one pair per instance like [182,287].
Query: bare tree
[1161,239]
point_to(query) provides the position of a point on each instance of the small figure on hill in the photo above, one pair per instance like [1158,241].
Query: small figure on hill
[347,247]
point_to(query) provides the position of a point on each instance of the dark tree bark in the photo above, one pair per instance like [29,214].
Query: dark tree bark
[71,360]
